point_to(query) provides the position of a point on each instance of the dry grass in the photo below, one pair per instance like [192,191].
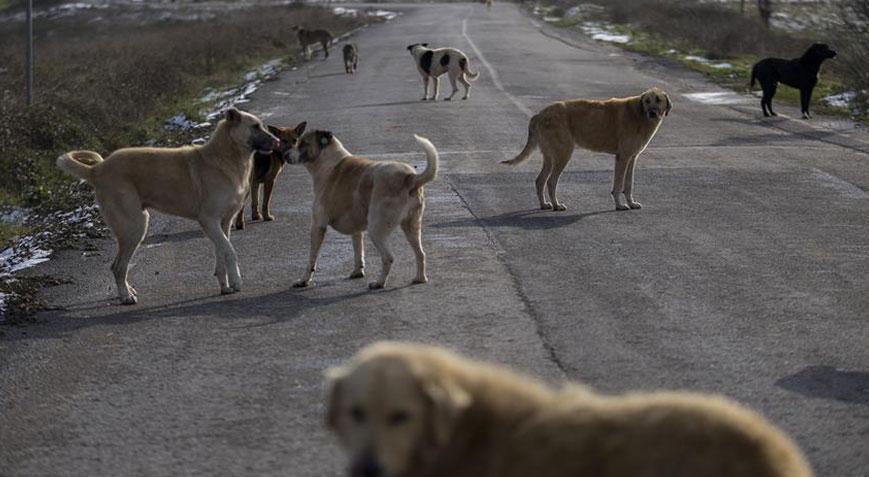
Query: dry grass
[105,85]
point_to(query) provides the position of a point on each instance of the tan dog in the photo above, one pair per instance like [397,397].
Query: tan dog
[353,194]
[265,171]
[204,183]
[620,126]
[403,410]
[312,37]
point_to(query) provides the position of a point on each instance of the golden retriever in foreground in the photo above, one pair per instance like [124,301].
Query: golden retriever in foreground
[353,194]
[620,126]
[204,183]
[404,410]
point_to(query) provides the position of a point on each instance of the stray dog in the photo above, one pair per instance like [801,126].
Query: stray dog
[266,168]
[433,63]
[204,183]
[354,194]
[312,37]
[351,58]
[620,126]
[800,73]
[401,410]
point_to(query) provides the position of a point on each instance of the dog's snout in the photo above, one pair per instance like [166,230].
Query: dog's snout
[367,466]
[653,114]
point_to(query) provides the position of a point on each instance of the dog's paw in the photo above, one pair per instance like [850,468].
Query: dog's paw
[268,217]
[356,274]
[228,290]
[448,99]
[417,281]
[622,207]
[301,283]
[239,226]
[375,286]
[546,206]
[559,207]
[129,300]
[256,217]
[635,205]
[424,98]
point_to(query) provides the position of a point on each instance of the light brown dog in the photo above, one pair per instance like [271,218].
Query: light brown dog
[403,410]
[353,194]
[265,171]
[620,126]
[204,183]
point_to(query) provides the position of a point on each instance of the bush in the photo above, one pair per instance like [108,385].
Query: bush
[852,44]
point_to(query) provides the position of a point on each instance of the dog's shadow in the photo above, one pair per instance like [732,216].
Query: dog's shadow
[327,75]
[526,219]
[396,103]
[827,382]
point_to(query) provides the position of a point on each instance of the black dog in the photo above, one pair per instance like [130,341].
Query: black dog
[801,73]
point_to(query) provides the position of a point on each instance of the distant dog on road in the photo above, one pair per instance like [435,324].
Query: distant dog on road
[353,194]
[620,126]
[351,58]
[433,63]
[800,73]
[400,409]
[312,37]
[266,168]
[204,183]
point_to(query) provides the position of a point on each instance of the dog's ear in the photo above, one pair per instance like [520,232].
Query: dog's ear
[301,128]
[425,44]
[334,383]
[324,138]
[447,404]
[410,47]
[232,115]
[274,130]
[669,104]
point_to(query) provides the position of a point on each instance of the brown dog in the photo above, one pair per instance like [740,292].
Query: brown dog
[266,168]
[403,410]
[354,194]
[308,38]
[204,183]
[620,126]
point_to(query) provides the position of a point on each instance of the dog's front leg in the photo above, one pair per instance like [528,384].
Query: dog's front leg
[318,233]
[629,183]
[425,87]
[619,180]
[436,85]
[805,100]
[358,255]
[227,259]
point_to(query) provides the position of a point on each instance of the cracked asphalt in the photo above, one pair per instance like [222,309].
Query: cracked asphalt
[746,273]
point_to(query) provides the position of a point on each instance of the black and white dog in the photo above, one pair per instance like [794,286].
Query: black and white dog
[433,63]
[801,73]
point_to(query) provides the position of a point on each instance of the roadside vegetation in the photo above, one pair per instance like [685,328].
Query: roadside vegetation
[724,39]
[106,79]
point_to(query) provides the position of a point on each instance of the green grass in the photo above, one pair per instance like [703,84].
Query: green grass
[8,233]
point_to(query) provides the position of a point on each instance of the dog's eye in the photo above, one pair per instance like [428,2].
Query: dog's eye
[398,418]
[357,414]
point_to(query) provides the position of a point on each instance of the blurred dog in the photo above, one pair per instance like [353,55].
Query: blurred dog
[353,194]
[433,63]
[204,183]
[403,410]
[312,37]
[351,58]
[800,73]
[266,168]
[620,126]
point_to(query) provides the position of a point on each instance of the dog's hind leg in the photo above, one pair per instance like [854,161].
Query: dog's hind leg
[619,180]
[453,76]
[318,233]
[227,259]
[805,100]
[268,187]
[436,86]
[766,101]
[556,150]
[467,85]
[542,179]
[629,183]
[412,228]
[382,220]
[254,201]
[129,222]
[425,79]
[358,255]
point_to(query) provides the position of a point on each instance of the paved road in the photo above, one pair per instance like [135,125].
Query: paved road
[747,272]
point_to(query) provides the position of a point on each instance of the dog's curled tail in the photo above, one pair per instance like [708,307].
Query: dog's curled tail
[753,75]
[79,163]
[431,159]
[530,145]
[463,64]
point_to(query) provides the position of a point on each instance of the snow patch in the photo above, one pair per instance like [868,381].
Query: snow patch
[721,97]
[841,100]
[602,32]
[708,62]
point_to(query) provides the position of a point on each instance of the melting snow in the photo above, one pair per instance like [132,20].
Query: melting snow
[841,100]
[708,62]
[722,97]
[601,32]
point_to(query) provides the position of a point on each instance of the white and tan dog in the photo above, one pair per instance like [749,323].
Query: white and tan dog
[620,126]
[354,194]
[204,183]
[402,410]
[434,63]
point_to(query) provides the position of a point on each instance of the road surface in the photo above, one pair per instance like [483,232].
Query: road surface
[746,273]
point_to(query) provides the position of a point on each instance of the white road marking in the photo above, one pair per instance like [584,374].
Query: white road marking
[492,73]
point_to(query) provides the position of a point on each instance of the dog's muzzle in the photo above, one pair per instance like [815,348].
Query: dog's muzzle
[653,114]
[366,466]
[291,156]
